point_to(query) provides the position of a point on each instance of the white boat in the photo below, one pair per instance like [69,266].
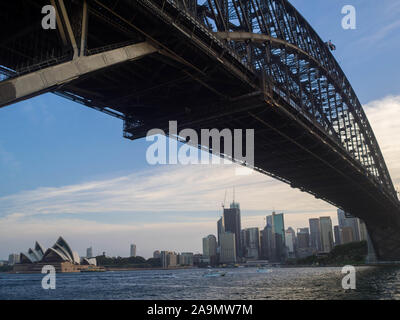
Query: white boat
[211,273]
[263,270]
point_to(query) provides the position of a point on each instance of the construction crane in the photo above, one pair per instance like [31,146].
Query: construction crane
[223,203]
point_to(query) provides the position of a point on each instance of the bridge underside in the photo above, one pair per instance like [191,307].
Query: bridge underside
[149,69]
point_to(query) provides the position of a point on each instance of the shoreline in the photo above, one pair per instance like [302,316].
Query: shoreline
[114,269]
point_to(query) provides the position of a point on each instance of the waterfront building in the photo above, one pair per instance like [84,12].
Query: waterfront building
[358,226]
[232,223]
[290,238]
[228,248]
[251,243]
[315,234]
[186,259]
[278,246]
[326,234]
[133,250]
[89,252]
[13,258]
[347,235]
[347,220]
[303,238]
[169,259]
[60,256]
[267,243]
[210,248]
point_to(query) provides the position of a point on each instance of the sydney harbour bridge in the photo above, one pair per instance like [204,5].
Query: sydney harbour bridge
[211,64]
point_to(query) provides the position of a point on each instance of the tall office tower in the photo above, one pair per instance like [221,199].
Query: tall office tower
[243,241]
[347,235]
[210,248]
[347,220]
[266,243]
[232,224]
[228,248]
[220,228]
[290,238]
[89,252]
[291,230]
[278,228]
[133,250]
[251,243]
[326,233]
[303,238]
[315,234]
[273,256]
[336,231]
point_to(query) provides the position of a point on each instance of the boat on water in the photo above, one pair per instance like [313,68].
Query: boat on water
[211,273]
[263,270]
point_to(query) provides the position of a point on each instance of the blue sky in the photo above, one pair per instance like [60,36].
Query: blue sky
[66,169]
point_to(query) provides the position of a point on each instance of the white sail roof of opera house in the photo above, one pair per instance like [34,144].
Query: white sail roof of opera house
[60,252]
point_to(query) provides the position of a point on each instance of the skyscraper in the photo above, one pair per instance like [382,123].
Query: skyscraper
[133,250]
[267,243]
[315,234]
[347,235]
[326,233]
[210,248]
[220,229]
[231,220]
[347,220]
[228,248]
[290,239]
[89,252]
[251,243]
[278,229]
[303,238]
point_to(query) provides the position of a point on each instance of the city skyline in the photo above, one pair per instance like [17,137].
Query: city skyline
[91,184]
[260,227]
[253,246]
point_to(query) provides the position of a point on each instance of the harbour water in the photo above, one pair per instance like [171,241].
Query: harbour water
[237,283]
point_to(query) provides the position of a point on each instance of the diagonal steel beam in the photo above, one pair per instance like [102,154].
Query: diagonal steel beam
[48,79]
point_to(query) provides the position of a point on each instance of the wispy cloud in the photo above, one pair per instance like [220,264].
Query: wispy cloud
[377,36]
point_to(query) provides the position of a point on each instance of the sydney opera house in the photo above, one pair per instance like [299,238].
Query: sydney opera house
[59,255]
